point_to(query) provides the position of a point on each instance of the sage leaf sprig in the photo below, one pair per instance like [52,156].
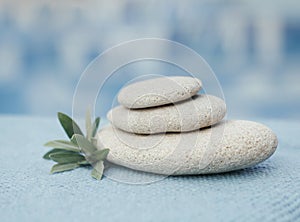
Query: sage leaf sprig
[79,150]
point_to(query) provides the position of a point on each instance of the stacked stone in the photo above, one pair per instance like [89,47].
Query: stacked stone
[163,126]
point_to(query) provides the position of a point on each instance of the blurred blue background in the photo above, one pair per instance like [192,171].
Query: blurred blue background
[252,46]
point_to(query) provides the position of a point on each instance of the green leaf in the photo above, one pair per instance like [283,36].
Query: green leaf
[64,157]
[94,141]
[88,125]
[97,172]
[69,125]
[55,150]
[63,144]
[84,144]
[98,155]
[63,167]
[80,150]
[84,163]
[46,155]
[95,126]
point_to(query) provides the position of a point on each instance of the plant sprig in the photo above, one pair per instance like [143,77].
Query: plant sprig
[79,150]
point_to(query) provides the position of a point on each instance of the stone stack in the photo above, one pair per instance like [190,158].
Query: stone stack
[163,126]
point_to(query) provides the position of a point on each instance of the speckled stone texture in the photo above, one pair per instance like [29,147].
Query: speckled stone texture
[229,145]
[158,91]
[191,114]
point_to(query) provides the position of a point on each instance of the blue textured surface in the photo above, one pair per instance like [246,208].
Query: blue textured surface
[267,192]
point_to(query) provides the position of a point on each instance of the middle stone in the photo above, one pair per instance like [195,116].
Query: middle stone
[195,113]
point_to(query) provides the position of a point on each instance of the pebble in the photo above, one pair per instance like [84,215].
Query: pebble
[229,145]
[198,112]
[158,91]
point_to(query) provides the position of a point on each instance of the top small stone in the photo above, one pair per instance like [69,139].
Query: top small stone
[158,91]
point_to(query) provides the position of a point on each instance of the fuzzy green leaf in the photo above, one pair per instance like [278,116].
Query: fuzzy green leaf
[95,126]
[88,125]
[97,172]
[94,141]
[73,154]
[63,144]
[63,167]
[69,125]
[84,163]
[98,155]
[84,144]
[46,155]
[55,150]
[65,157]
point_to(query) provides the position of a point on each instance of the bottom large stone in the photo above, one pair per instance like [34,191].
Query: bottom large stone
[227,146]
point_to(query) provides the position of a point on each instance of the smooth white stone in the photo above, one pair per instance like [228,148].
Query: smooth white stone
[198,112]
[227,146]
[158,91]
